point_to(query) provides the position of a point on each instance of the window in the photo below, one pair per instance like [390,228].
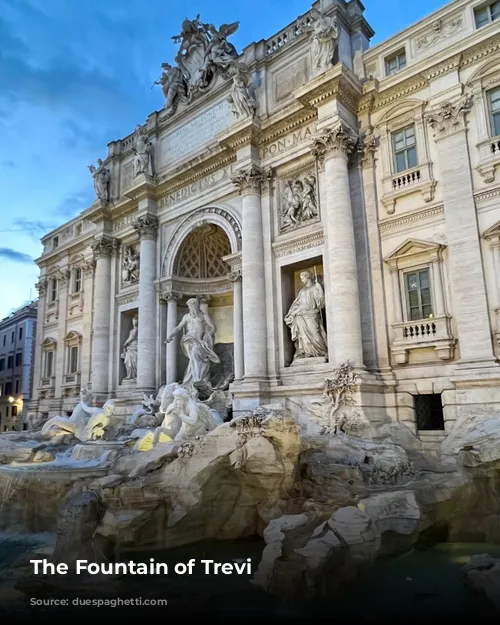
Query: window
[10,362]
[49,363]
[404,148]
[16,389]
[2,364]
[418,295]
[12,337]
[19,359]
[8,388]
[494,107]
[14,411]
[73,359]
[395,63]
[487,14]
[4,339]
[77,280]
[429,412]
[20,334]
[1,390]
[55,242]
[53,290]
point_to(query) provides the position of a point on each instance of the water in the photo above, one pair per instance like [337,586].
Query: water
[420,584]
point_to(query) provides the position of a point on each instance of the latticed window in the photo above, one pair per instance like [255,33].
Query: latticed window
[200,255]
[429,412]
[418,295]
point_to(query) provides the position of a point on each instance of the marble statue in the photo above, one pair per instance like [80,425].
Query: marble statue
[196,343]
[325,34]
[305,320]
[241,100]
[186,418]
[102,179]
[130,266]
[129,353]
[86,423]
[143,151]
[300,203]
[173,86]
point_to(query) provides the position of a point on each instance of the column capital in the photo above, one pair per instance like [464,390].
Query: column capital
[338,140]
[62,276]
[103,247]
[251,181]
[146,226]
[449,117]
[41,286]
[368,144]
[170,296]
[234,276]
[88,267]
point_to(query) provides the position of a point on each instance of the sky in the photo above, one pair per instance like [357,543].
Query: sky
[77,74]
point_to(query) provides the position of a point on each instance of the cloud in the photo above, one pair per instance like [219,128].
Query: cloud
[9,164]
[75,203]
[8,253]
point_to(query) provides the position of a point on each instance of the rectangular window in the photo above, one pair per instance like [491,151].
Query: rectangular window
[8,388]
[55,242]
[4,339]
[487,14]
[49,364]
[77,281]
[14,411]
[404,147]
[494,106]
[418,295]
[19,359]
[10,362]
[1,390]
[73,359]
[53,290]
[12,337]
[395,63]
[16,388]
[429,412]
[20,334]
[2,364]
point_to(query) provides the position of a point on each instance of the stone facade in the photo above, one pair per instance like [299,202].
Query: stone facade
[17,355]
[375,169]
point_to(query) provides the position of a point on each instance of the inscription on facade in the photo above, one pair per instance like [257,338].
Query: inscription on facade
[289,78]
[195,133]
[196,187]
[287,142]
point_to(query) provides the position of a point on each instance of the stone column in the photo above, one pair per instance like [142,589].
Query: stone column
[88,269]
[252,268]
[438,288]
[41,286]
[171,351]
[466,267]
[103,248]
[61,364]
[396,291]
[147,227]
[341,280]
[239,370]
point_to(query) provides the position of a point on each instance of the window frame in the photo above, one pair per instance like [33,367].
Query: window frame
[491,113]
[488,8]
[404,273]
[53,292]
[404,150]
[77,280]
[48,355]
[395,56]
[73,349]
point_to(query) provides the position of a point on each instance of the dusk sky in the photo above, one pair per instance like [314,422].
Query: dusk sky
[77,74]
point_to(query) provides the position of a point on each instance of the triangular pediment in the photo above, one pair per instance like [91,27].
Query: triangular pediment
[73,336]
[492,232]
[49,342]
[413,247]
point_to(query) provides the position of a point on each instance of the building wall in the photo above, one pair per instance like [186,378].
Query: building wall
[442,214]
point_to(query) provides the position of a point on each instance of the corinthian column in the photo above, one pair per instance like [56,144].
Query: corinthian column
[239,370]
[171,299]
[341,280]
[470,306]
[252,268]
[103,248]
[147,227]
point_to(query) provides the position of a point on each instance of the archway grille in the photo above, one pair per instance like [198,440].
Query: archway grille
[200,255]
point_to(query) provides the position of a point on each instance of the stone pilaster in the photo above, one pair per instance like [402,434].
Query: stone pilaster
[171,300]
[63,277]
[470,307]
[332,150]
[239,361]
[103,248]
[147,227]
[249,183]
[88,270]
[41,286]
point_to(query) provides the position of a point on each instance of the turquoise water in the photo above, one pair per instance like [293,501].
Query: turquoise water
[415,585]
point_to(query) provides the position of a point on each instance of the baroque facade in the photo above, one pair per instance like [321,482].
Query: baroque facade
[17,356]
[323,200]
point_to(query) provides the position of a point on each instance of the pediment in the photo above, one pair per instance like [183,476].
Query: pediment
[488,70]
[73,336]
[412,247]
[493,232]
[49,342]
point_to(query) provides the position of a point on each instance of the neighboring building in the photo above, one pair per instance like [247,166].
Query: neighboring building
[378,172]
[17,354]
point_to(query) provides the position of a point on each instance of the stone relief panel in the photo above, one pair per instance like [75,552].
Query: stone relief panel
[286,80]
[440,31]
[298,201]
[127,172]
[130,266]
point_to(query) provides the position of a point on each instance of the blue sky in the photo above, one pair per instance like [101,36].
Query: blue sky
[77,74]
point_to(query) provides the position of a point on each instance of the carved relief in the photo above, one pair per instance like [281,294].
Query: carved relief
[146,226]
[449,117]
[299,201]
[440,30]
[130,266]
[41,286]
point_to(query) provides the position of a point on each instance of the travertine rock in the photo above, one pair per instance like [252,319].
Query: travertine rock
[482,575]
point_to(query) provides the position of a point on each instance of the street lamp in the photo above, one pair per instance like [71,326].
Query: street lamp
[11,399]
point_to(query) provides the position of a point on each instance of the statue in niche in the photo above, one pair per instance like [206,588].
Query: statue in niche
[305,320]
[197,344]
[242,102]
[143,151]
[325,34]
[130,266]
[102,180]
[173,86]
[129,353]
[300,202]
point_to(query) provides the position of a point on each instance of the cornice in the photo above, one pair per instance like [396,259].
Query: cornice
[279,126]
[487,194]
[300,241]
[407,218]
[339,82]
[244,133]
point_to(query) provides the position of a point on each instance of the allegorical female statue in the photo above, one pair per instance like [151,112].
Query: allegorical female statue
[305,320]
[129,353]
